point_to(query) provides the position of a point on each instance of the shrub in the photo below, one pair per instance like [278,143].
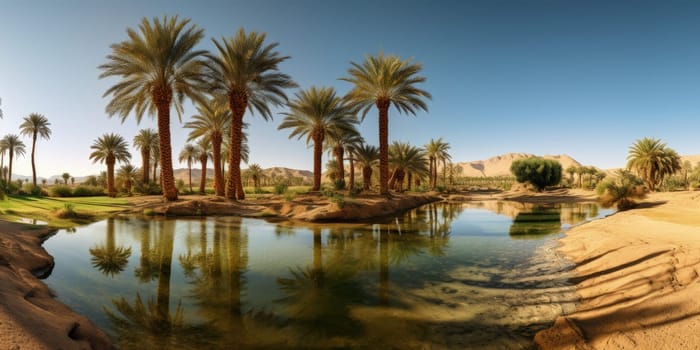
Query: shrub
[537,171]
[60,191]
[151,188]
[339,184]
[32,190]
[280,187]
[621,191]
[88,190]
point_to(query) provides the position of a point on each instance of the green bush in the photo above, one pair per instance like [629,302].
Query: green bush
[60,191]
[280,187]
[29,189]
[339,184]
[151,188]
[537,171]
[87,191]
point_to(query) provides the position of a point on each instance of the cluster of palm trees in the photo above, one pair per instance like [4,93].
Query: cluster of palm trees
[35,126]
[159,67]
[593,174]
[653,161]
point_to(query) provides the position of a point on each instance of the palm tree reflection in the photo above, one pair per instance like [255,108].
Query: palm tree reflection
[108,258]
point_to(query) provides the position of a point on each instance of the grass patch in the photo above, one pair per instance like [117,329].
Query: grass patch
[60,212]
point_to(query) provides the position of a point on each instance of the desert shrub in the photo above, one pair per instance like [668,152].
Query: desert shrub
[67,212]
[339,184]
[60,191]
[88,191]
[280,187]
[621,191]
[29,189]
[151,188]
[537,171]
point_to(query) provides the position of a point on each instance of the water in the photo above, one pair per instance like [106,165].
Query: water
[472,275]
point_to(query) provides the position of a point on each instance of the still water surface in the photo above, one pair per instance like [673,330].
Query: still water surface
[471,275]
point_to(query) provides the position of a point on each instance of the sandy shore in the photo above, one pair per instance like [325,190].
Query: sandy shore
[30,317]
[637,279]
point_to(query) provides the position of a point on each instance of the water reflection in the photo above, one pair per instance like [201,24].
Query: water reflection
[442,275]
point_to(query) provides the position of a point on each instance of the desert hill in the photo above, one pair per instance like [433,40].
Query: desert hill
[500,165]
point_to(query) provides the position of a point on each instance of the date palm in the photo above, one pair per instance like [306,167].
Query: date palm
[35,125]
[110,148]
[204,152]
[211,123]
[406,160]
[336,143]
[317,113]
[3,150]
[127,173]
[652,160]
[15,147]
[66,177]
[382,81]
[256,173]
[188,154]
[158,67]
[245,71]
[437,151]
[368,157]
[145,141]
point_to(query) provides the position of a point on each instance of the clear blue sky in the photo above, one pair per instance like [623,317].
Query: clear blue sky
[585,78]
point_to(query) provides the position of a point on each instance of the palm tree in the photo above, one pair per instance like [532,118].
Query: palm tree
[571,170]
[145,141]
[155,158]
[204,152]
[110,148]
[256,173]
[35,125]
[159,68]
[437,151]
[406,160]
[652,160]
[620,190]
[336,143]
[3,150]
[15,146]
[368,157]
[211,123]
[66,177]
[127,174]
[317,113]
[454,170]
[188,154]
[382,81]
[246,72]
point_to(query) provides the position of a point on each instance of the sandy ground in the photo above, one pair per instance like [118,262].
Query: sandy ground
[30,317]
[637,279]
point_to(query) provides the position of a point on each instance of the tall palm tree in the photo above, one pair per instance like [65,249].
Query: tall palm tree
[35,125]
[159,68]
[317,113]
[407,161]
[145,141]
[336,143]
[382,81]
[245,70]
[211,123]
[110,148]
[15,147]
[3,149]
[188,154]
[204,152]
[127,173]
[368,157]
[437,151]
[652,160]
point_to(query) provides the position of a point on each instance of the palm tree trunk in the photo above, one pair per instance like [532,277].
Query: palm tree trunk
[145,164]
[237,103]
[155,169]
[383,106]
[33,164]
[366,177]
[383,268]
[110,176]
[163,98]
[444,172]
[351,185]
[318,159]
[189,171]
[410,178]
[430,171]
[9,169]
[203,177]
[2,165]
[218,175]
[340,175]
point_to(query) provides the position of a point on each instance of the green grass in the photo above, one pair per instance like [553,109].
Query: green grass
[48,209]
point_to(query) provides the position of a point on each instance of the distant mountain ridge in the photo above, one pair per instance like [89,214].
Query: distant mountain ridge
[500,165]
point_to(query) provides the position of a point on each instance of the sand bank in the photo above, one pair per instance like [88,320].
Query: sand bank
[30,316]
[637,279]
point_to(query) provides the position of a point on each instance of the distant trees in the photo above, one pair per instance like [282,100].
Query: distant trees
[537,171]
[15,147]
[652,160]
[146,141]
[66,177]
[189,154]
[621,190]
[110,148]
